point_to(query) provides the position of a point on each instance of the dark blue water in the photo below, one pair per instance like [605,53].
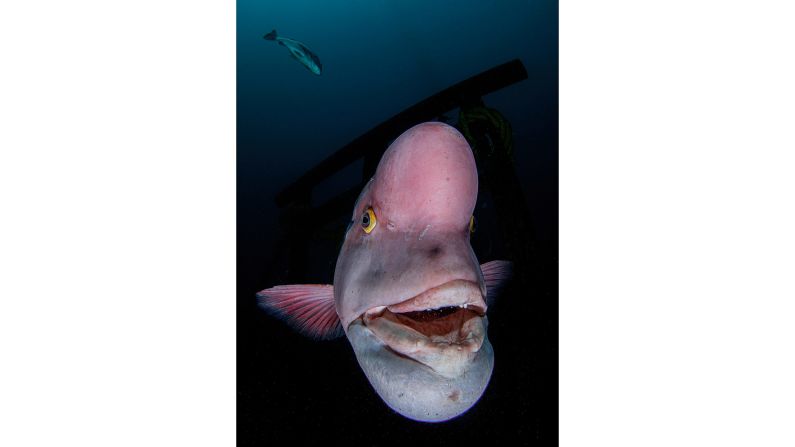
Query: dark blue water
[379,58]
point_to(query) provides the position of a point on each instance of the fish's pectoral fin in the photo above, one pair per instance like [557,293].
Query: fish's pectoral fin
[495,274]
[308,308]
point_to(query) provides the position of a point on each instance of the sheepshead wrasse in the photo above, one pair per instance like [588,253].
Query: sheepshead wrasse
[408,291]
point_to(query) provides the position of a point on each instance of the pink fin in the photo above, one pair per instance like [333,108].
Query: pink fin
[495,275]
[308,308]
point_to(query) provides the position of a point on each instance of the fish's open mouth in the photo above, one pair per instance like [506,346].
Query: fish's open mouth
[442,328]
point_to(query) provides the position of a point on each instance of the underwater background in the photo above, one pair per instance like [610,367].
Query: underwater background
[379,58]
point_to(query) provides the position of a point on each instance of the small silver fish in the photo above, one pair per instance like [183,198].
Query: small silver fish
[299,51]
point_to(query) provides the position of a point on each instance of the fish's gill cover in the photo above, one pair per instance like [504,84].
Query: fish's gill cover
[308,308]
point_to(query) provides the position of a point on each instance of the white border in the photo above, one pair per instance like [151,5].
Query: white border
[117,240]
[677,210]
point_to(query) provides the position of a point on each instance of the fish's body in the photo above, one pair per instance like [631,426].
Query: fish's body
[298,51]
[408,290]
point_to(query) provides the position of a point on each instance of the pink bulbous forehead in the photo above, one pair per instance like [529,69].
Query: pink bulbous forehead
[427,176]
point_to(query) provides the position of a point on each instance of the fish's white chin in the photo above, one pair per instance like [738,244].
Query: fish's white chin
[415,389]
[428,357]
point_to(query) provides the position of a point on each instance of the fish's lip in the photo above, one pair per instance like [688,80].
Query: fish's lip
[458,292]
[448,353]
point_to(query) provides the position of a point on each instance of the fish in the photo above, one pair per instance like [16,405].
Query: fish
[408,291]
[298,51]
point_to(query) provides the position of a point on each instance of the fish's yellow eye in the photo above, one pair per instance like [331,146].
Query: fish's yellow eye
[368,220]
[472,224]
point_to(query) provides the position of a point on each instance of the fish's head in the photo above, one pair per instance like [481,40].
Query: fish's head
[316,68]
[408,288]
